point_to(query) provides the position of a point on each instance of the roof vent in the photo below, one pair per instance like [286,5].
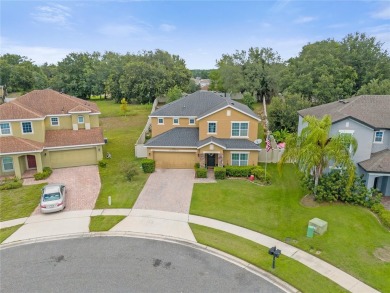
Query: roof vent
[232,103]
[344,101]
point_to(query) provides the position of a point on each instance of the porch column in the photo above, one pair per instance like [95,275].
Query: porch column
[38,160]
[220,160]
[202,161]
[17,170]
[370,180]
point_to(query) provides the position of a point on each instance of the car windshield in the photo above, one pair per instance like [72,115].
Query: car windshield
[51,196]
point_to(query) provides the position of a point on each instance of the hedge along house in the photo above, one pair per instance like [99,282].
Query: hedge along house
[367,118]
[203,128]
[45,128]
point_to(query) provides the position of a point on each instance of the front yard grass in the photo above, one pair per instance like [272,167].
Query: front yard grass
[20,202]
[104,223]
[287,269]
[353,235]
[7,232]
[122,133]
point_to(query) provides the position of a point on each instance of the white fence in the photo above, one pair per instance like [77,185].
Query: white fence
[140,150]
[272,156]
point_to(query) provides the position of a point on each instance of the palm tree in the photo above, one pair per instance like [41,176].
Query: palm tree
[313,150]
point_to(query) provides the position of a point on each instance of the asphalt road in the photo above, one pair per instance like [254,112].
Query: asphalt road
[119,264]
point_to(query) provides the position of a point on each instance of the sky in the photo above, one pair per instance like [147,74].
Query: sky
[200,32]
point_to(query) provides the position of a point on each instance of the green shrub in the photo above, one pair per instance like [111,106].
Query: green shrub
[259,173]
[44,174]
[102,163]
[383,214]
[197,165]
[129,170]
[201,172]
[239,171]
[148,165]
[10,183]
[377,208]
[220,173]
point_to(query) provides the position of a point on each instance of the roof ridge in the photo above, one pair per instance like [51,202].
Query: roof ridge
[19,104]
[27,141]
[76,100]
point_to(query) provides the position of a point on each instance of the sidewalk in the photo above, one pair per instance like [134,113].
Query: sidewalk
[167,224]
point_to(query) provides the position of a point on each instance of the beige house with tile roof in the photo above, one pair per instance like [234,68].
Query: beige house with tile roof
[45,128]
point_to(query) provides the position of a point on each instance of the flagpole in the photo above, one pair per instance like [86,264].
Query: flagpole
[265,169]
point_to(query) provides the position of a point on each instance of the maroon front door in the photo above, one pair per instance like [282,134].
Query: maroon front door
[31,163]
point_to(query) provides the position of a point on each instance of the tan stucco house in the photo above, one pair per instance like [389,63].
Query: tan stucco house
[204,128]
[45,128]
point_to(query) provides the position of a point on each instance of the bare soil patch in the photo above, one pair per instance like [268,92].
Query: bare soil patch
[308,201]
[383,253]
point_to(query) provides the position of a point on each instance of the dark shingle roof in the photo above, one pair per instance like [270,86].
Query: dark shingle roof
[188,137]
[199,104]
[176,137]
[378,163]
[371,110]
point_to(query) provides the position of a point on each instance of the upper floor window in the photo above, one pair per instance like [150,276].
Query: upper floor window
[176,121]
[346,135]
[378,136]
[5,128]
[212,127]
[80,119]
[239,159]
[160,121]
[27,127]
[54,121]
[240,129]
[8,164]
[191,121]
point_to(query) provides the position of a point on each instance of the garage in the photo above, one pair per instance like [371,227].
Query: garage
[73,158]
[175,160]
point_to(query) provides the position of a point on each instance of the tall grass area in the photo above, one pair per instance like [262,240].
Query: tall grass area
[122,132]
[353,235]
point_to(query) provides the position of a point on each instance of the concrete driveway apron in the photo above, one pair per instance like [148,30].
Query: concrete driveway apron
[167,190]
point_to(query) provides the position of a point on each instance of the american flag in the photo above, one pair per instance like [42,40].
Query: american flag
[267,144]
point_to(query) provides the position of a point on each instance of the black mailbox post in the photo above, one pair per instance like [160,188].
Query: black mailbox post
[275,253]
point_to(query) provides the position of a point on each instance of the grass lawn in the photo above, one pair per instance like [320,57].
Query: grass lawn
[20,202]
[287,269]
[353,233]
[104,223]
[122,133]
[6,232]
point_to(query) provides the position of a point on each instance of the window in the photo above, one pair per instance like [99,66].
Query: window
[239,159]
[176,121]
[378,136]
[191,121]
[80,119]
[54,121]
[346,135]
[212,127]
[8,164]
[240,129]
[27,127]
[5,128]
[160,121]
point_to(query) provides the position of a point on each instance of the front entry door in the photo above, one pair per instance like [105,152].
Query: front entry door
[211,160]
[31,162]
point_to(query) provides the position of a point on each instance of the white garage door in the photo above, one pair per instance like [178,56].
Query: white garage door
[73,158]
[175,160]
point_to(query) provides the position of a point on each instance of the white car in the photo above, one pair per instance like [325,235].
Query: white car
[53,198]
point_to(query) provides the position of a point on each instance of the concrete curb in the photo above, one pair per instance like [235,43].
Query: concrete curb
[227,257]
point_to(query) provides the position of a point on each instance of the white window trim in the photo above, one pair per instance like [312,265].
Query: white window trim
[10,129]
[189,121]
[32,128]
[208,127]
[51,121]
[2,165]
[239,159]
[78,121]
[236,136]
[158,121]
[178,121]
[383,135]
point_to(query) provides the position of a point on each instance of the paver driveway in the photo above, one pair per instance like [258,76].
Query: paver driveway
[82,186]
[167,190]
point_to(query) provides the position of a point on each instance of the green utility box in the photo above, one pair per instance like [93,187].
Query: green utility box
[310,231]
[320,225]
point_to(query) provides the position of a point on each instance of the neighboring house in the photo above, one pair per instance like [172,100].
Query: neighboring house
[203,128]
[45,128]
[367,118]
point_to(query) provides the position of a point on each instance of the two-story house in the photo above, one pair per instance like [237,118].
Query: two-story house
[204,128]
[367,118]
[45,128]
